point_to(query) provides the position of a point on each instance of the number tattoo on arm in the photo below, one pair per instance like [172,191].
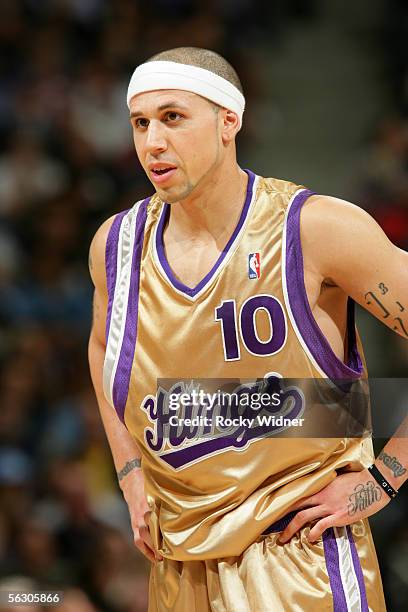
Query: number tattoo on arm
[370,298]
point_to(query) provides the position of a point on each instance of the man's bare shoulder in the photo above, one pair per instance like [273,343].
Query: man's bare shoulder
[330,222]
[97,254]
[322,212]
[338,235]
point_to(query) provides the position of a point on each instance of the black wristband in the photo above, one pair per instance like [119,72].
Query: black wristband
[376,474]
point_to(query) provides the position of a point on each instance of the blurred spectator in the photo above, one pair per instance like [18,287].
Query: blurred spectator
[28,175]
[383,178]
[98,100]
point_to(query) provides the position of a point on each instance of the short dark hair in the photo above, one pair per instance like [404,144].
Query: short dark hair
[202,58]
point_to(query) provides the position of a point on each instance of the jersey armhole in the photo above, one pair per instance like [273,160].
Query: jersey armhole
[312,339]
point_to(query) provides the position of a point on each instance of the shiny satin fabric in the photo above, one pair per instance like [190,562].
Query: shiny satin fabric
[217,503]
[271,577]
[235,501]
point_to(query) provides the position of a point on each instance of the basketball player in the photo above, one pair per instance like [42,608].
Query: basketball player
[225,274]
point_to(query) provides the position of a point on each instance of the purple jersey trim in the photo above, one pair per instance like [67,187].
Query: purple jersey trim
[111,256]
[331,554]
[192,291]
[358,570]
[299,304]
[122,376]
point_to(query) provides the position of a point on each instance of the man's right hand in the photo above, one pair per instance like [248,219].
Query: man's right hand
[132,486]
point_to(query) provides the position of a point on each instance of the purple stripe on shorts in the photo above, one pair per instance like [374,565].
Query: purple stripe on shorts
[122,375]
[192,291]
[305,321]
[358,570]
[331,554]
[111,254]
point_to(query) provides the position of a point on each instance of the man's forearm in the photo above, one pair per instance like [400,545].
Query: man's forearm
[392,461]
[128,467]
[125,452]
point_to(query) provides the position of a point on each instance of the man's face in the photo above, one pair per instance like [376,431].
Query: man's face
[177,140]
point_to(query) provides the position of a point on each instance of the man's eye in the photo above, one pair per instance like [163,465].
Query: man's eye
[173,116]
[141,123]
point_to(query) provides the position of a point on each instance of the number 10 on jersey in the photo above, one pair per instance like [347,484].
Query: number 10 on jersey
[245,326]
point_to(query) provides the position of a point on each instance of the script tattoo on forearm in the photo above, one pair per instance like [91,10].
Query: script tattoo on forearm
[399,324]
[392,463]
[128,467]
[363,497]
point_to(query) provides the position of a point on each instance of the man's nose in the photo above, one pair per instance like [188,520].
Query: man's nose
[155,140]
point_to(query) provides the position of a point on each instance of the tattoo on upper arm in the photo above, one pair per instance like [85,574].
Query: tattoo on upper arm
[90,264]
[401,326]
[363,496]
[371,298]
[371,293]
[128,467]
[392,463]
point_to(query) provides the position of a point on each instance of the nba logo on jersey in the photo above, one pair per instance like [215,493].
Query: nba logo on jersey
[254,265]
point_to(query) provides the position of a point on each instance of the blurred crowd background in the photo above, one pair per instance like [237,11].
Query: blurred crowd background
[327,106]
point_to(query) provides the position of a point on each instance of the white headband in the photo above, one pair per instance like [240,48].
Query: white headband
[172,75]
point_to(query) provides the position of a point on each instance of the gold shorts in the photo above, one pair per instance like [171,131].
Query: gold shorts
[339,572]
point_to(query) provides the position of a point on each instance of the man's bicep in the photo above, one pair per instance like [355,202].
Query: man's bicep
[355,253]
[97,269]
[99,311]
[384,290]
[374,272]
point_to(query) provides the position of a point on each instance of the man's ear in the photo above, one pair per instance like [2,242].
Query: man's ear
[229,126]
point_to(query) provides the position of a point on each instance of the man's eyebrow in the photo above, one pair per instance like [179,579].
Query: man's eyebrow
[162,107]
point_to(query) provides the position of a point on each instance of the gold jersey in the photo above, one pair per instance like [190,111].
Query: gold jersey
[248,318]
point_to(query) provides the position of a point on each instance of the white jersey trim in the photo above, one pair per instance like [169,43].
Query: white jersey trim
[125,248]
[349,580]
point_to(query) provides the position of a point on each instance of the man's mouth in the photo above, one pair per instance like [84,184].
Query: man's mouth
[160,171]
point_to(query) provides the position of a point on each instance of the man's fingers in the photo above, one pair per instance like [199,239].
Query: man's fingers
[145,550]
[147,538]
[308,502]
[302,517]
[145,535]
[321,526]
[146,547]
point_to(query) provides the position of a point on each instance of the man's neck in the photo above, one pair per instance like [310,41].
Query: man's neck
[213,212]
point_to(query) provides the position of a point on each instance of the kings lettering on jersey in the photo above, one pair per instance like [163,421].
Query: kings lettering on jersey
[212,493]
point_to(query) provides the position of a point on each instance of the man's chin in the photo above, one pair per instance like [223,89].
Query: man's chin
[172,194]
